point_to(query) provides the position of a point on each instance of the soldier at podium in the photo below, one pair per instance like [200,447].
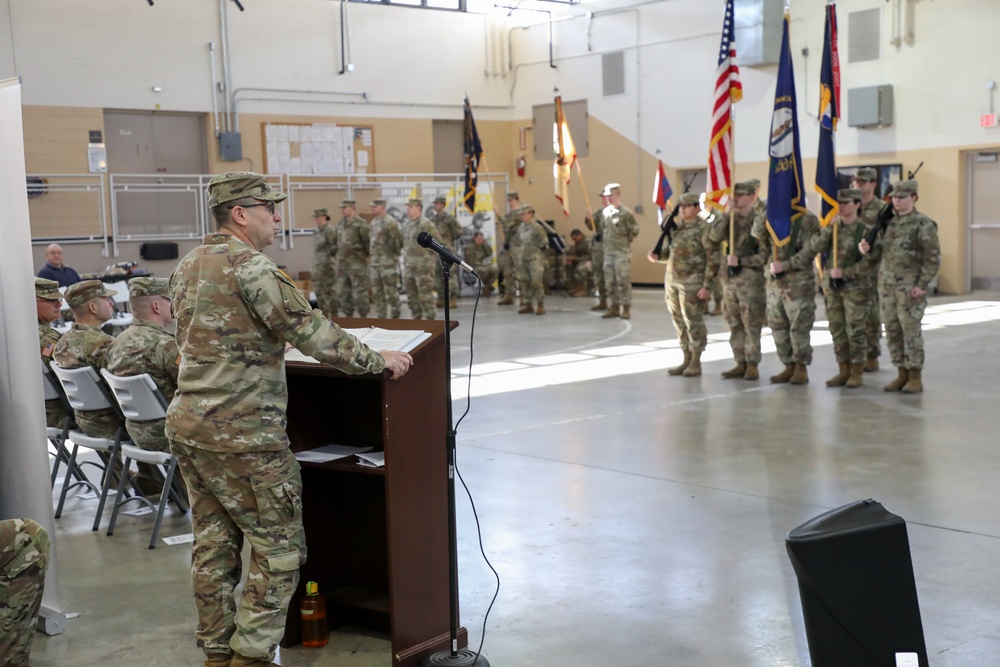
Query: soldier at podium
[236,311]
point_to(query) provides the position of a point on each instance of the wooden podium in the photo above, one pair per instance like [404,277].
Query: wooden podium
[377,537]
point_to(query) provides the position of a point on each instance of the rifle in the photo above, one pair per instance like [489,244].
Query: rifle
[669,225]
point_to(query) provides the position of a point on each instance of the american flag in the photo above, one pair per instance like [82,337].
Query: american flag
[728,91]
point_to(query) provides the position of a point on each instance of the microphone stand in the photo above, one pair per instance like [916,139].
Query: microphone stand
[452,657]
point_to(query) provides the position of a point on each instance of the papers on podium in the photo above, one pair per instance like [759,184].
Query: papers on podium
[372,460]
[376,338]
[330,453]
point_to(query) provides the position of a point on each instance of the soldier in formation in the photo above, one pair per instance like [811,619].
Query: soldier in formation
[532,242]
[597,254]
[236,311]
[910,256]
[507,261]
[385,245]
[620,229]
[421,268]
[691,268]
[323,274]
[351,246]
[449,231]
[872,208]
[479,256]
[848,277]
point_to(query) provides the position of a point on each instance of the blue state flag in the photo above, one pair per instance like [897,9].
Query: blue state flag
[829,113]
[786,200]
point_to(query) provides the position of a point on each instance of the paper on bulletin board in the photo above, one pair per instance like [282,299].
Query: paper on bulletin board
[362,158]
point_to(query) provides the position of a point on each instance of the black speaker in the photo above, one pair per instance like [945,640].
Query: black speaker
[158,251]
[859,600]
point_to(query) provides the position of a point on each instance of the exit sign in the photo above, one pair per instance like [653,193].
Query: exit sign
[988,120]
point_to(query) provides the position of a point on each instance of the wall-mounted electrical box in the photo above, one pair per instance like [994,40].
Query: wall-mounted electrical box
[869,107]
[230,146]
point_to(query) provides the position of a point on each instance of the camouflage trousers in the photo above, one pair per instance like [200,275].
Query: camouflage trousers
[791,311]
[488,274]
[98,423]
[618,277]
[745,310]
[55,413]
[902,315]
[24,555]
[717,294]
[385,290]
[148,435]
[353,285]
[531,278]
[507,266]
[257,497]
[597,258]
[419,283]
[688,314]
[324,285]
[579,274]
[847,311]
[873,324]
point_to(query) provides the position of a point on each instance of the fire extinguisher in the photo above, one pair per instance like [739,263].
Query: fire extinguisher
[521,164]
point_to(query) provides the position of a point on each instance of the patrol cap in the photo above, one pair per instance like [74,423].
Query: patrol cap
[905,188]
[415,201]
[440,200]
[149,286]
[83,291]
[344,203]
[848,195]
[47,289]
[866,174]
[689,198]
[234,185]
[744,188]
[320,212]
[513,195]
[755,182]
[378,201]
[612,188]
[526,208]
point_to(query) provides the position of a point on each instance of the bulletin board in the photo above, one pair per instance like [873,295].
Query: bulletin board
[318,148]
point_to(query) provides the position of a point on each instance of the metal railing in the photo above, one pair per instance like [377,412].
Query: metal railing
[77,202]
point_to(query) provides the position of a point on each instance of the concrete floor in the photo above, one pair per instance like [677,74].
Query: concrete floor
[637,518]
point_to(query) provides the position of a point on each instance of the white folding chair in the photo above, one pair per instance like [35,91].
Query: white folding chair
[122,317]
[84,392]
[57,435]
[140,400]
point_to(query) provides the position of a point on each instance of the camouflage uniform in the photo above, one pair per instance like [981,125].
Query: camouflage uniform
[24,556]
[480,258]
[449,231]
[691,266]
[910,257]
[743,294]
[323,274]
[145,347]
[55,409]
[579,272]
[620,229]
[873,323]
[847,307]
[532,242]
[386,244]
[235,312]
[510,255]
[597,255]
[791,299]
[421,269]
[353,283]
[86,345]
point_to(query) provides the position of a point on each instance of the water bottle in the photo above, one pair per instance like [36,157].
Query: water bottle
[313,615]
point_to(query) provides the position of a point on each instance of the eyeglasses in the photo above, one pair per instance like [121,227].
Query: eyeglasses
[269,205]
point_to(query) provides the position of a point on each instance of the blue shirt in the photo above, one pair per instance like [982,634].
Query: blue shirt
[64,275]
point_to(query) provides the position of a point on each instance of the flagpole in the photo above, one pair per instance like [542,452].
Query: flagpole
[586,198]
[732,176]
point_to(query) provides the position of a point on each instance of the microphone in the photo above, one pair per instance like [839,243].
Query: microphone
[425,240]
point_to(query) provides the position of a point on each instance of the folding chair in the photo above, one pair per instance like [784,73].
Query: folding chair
[122,318]
[84,392]
[140,400]
[57,435]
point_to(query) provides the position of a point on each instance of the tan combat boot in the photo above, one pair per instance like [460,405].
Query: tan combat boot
[855,379]
[785,375]
[736,371]
[525,309]
[601,305]
[871,364]
[677,370]
[752,372]
[612,312]
[717,310]
[626,312]
[217,659]
[898,383]
[694,368]
[439,302]
[800,375]
[540,310]
[507,300]
[840,379]
[913,385]
[243,661]
[453,302]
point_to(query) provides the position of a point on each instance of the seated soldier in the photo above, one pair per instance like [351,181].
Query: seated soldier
[86,345]
[48,302]
[24,556]
[479,255]
[579,264]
